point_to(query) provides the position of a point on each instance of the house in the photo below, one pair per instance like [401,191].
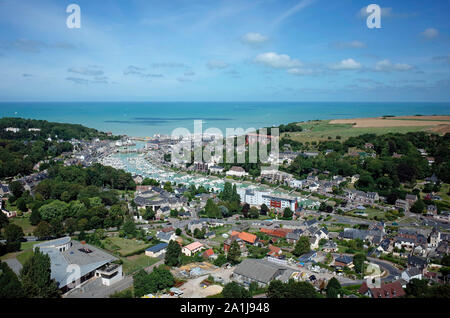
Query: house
[216,169]
[195,224]
[209,254]
[274,250]
[330,247]
[411,273]
[432,210]
[307,258]
[241,238]
[385,246]
[210,235]
[260,271]
[435,238]
[4,189]
[166,236]
[344,261]
[402,204]
[236,172]
[156,250]
[354,178]
[293,236]
[417,261]
[246,237]
[389,290]
[411,199]
[363,197]
[192,248]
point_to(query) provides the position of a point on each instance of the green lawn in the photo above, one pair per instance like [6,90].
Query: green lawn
[123,246]
[24,223]
[134,263]
[26,251]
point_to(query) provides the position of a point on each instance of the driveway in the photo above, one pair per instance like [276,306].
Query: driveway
[14,264]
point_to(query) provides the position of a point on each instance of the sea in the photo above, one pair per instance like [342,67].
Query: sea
[145,119]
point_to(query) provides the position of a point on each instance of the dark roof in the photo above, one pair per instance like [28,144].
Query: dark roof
[345,259]
[157,247]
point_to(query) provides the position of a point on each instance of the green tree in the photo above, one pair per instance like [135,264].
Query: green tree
[276,289]
[417,288]
[302,246]
[173,254]
[22,205]
[13,233]
[358,261]
[141,283]
[36,277]
[234,290]
[16,188]
[287,213]
[129,227]
[264,209]
[43,230]
[10,286]
[3,220]
[254,213]
[418,207]
[333,288]
[234,253]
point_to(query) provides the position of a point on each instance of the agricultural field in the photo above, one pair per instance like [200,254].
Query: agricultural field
[321,130]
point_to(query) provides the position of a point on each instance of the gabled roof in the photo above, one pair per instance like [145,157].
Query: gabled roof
[390,290]
[193,246]
[247,237]
[157,247]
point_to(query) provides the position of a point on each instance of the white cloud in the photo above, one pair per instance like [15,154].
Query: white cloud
[216,65]
[352,45]
[387,66]
[348,64]
[88,71]
[301,71]
[275,60]
[430,33]
[253,38]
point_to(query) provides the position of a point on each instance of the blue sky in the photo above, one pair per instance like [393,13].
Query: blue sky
[267,50]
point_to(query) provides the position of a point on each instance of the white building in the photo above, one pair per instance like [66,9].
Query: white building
[192,248]
[256,197]
[236,172]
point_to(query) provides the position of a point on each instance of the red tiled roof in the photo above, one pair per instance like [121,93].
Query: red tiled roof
[276,232]
[208,252]
[390,290]
[246,237]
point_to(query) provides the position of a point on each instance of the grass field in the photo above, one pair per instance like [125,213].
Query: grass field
[24,223]
[123,246]
[26,251]
[321,130]
[134,263]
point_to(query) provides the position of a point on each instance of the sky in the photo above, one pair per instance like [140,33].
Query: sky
[230,50]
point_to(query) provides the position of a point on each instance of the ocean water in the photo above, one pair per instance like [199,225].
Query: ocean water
[149,118]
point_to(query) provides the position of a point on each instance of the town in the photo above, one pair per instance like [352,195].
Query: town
[132,223]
